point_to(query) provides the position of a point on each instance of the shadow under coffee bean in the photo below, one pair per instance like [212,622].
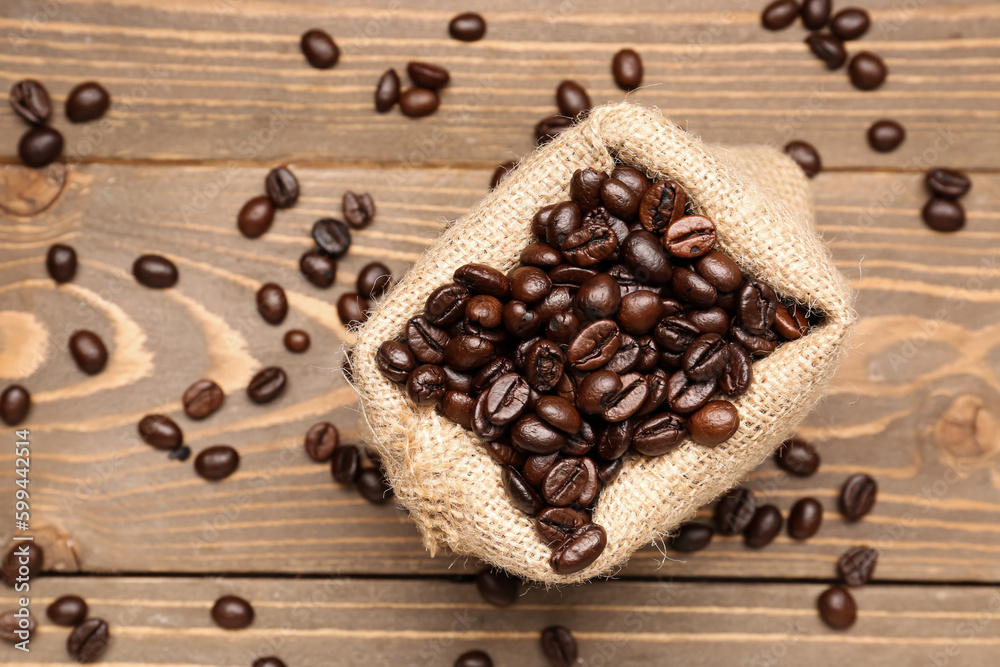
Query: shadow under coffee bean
[621,333]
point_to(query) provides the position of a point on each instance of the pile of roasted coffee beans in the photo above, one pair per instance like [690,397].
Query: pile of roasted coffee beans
[943,212]
[41,145]
[615,333]
[420,99]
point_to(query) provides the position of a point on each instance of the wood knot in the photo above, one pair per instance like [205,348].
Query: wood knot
[968,430]
[26,192]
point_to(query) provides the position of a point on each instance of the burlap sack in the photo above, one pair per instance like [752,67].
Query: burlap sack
[761,205]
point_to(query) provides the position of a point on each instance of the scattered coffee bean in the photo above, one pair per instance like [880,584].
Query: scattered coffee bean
[202,399]
[30,101]
[691,537]
[714,423]
[850,23]
[886,135]
[272,303]
[160,431]
[797,457]
[155,271]
[319,49]
[232,612]
[282,187]
[857,565]
[359,210]
[319,268]
[15,403]
[60,262]
[867,71]
[626,67]
[427,75]
[497,588]
[763,527]
[857,497]
[267,385]
[779,14]
[805,518]
[321,441]
[296,340]
[88,351]
[14,628]
[89,640]
[345,464]
[255,217]
[87,101]
[372,486]
[332,236]
[417,102]
[559,646]
[549,128]
[572,99]
[947,183]
[217,462]
[387,91]
[269,661]
[827,48]
[352,309]
[181,453]
[474,658]
[468,27]
[40,146]
[837,608]
[68,610]
[815,13]
[734,511]
[943,215]
[806,156]
[580,549]
[12,568]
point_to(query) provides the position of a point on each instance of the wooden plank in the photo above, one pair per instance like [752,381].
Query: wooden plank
[915,405]
[166,622]
[201,80]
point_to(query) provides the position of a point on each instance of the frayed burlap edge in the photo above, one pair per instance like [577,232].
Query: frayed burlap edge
[761,205]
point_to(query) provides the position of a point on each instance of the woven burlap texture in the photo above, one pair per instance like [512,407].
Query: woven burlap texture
[761,205]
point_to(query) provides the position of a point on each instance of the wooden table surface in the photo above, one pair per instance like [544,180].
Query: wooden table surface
[210,94]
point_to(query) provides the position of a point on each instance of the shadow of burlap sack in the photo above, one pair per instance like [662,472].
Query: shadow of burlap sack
[761,204]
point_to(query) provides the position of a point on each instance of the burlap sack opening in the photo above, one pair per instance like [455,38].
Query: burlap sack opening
[761,205]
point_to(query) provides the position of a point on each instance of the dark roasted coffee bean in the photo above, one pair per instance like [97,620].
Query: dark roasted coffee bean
[332,236]
[867,71]
[779,14]
[319,268]
[549,128]
[736,379]
[321,440]
[373,487]
[633,178]
[504,454]
[160,431]
[345,465]
[202,399]
[763,527]
[541,255]
[446,305]
[543,365]
[690,237]
[628,401]
[857,497]
[714,423]
[427,75]
[474,658]
[155,271]
[806,156]
[759,346]
[559,646]
[15,403]
[589,245]
[675,333]
[720,271]
[520,492]
[68,610]
[267,385]
[649,354]
[570,277]
[426,341]
[943,215]
[427,384]
[319,49]
[272,303]
[659,388]
[797,457]
[531,434]
[815,13]
[564,219]
[626,67]
[497,588]
[358,209]
[827,48]
[217,462]
[60,262]
[805,519]
[857,565]
[837,608]
[492,371]
[691,537]
[12,567]
[947,183]
[572,99]
[282,187]
[585,188]
[594,345]
[710,320]
[387,91]
[734,511]
[88,351]
[596,389]
[352,309]
[619,199]
[579,551]
[87,101]
[40,146]
[706,357]
[790,322]
[608,471]
[467,27]
[268,661]
[646,258]
[541,219]
[639,312]
[30,101]
[519,320]
[758,305]
[626,358]
[537,466]
[662,204]
[374,280]
[507,399]
[691,288]
[483,279]
[657,435]
[613,440]
[729,302]
[850,23]
[459,407]
[88,641]
[529,284]
[598,298]
[485,311]
[560,413]
[232,612]
[886,135]
[255,217]
[556,524]
[567,480]
[417,102]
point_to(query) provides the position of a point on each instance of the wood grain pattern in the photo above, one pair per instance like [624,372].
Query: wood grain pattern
[915,405]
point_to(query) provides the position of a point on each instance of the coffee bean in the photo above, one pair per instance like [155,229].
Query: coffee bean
[806,156]
[815,13]
[321,440]
[619,199]
[296,340]
[181,453]
[87,101]
[572,480]
[352,309]
[467,27]
[714,424]
[68,610]
[427,384]
[559,646]
[374,280]
[572,100]
[459,407]
[154,271]
[943,215]
[790,322]
[559,413]
[867,71]
[255,217]
[217,462]
[483,279]
[837,608]
[88,351]
[556,524]
[850,23]
[579,551]
[60,262]
[491,372]
[232,613]
[40,146]
[827,48]
[272,303]
[507,399]
[659,434]
[805,519]
[628,401]
[757,345]
[474,658]
[531,434]
[319,49]
[857,565]
[15,403]
[30,101]
[318,268]
[14,629]
[549,128]
[691,537]
[529,284]
[88,641]
[501,172]
[734,511]
[720,271]
[202,399]
[332,236]
[520,492]
[779,14]
[646,257]
[662,204]
[639,312]
[497,588]
[598,298]
[948,183]
[345,464]
[596,389]
[394,360]
[594,345]
[426,341]
[269,661]
[427,75]
[706,358]
[282,187]
[160,431]
[797,457]
[373,487]
[11,568]
[267,385]
[589,245]
[710,320]
[685,395]
[387,91]
[626,67]
[417,102]
[758,306]
[763,527]
[857,497]
[690,237]
[738,375]
[886,135]
[358,209]
[561,222]
[691,288]
[633,178]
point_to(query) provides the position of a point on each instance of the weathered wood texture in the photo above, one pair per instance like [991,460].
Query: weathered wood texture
[218,77]
[917,399]
[354,622]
